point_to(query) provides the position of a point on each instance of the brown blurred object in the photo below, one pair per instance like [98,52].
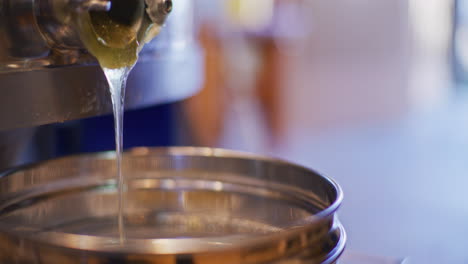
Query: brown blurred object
[245,73]
[205,111]
[268,86]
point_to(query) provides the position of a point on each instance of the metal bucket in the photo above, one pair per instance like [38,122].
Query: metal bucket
[182,205]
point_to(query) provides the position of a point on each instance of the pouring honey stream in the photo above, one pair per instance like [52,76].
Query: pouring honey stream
[115,37]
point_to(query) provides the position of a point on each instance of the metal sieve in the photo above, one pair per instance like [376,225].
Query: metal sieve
[182,205]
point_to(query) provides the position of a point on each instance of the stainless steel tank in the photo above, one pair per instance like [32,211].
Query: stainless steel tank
[47,76]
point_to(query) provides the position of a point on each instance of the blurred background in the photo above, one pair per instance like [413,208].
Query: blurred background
[372,93]
[369,92]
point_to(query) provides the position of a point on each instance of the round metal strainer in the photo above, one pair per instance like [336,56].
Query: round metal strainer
[182,205]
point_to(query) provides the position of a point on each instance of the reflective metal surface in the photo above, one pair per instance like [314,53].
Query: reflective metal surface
[183,205]
[46,76]
[57,95]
